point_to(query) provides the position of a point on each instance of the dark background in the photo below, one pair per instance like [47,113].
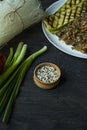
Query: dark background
[62,108]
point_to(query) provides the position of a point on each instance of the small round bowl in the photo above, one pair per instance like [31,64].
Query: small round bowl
[43,85]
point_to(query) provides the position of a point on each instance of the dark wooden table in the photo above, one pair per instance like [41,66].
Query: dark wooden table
[63,108]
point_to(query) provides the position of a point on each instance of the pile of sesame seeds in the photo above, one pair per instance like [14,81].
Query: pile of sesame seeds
[47,74]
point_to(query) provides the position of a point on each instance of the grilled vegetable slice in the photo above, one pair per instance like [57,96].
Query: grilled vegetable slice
[66,14]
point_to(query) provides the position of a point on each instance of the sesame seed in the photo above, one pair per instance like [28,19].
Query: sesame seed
[47,74]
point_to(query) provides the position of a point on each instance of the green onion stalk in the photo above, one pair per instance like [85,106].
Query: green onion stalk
[18,57]
[11,88]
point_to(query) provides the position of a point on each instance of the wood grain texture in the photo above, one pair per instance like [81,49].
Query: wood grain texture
[62,108]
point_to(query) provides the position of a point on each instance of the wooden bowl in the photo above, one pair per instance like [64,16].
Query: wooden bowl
[45,85]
